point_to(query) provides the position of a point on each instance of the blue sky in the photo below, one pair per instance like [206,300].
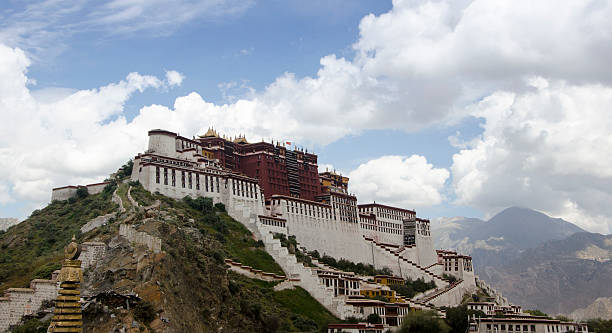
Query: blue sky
[432,94]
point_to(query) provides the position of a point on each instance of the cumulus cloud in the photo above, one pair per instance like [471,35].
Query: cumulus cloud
[549,148]
[408,182]
[174,78]
[72,137]
[420,64]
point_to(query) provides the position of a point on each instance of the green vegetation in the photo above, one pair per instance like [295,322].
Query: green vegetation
[238,241]
[299,302]
[413,287]
[600,325]
[291,244]
[349,266]
[125,171]
[34,248]
[32,326]
[536,312]
[140,195]
[423,322]
[374,318]
[449,278]
[457,318]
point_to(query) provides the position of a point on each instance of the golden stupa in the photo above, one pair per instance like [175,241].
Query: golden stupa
[67,316]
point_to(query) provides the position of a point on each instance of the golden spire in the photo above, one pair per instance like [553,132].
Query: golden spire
[211,133]
[67,316]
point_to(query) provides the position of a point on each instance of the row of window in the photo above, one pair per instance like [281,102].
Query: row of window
[187,179]
[274,223]
[390,213]
[511,328]
[210,183]
[381,229]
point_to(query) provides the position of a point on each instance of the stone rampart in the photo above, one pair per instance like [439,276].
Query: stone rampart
[253,273]
[141,238]
[18,302]
[91,253]
[67,192]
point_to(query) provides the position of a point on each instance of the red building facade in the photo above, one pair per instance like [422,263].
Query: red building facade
[279,170]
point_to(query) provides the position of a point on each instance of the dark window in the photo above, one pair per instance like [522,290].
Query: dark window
[165,176]
[157,175]
[183,179]
[173,177]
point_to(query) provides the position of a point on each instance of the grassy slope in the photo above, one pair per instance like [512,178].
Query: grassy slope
[34,248]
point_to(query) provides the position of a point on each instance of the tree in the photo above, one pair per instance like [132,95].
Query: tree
[536,312]
[423,322]
[82,192]
[374,318]
[457,318]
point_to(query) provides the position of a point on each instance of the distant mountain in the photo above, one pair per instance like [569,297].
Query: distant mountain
[535,260]
[558,276]
[601,308]
[514,229]
[6,223]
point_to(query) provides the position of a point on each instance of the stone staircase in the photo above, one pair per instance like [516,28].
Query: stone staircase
[427,275]
[308,278]
[429,297]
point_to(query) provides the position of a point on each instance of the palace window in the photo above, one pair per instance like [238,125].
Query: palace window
[165,176]
[190,180]
[157,175]
[197,181]
[217,181]
[206,182]
[173,177]
[183,179]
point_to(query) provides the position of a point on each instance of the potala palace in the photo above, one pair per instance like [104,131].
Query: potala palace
[274,190]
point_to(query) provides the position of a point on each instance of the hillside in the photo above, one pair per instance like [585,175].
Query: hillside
[185,288]
[558,276]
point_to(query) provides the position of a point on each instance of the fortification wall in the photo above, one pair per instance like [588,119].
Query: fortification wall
[91,253]
[18,302]
[67,192]
[63,193]
[426,255]
[140,238]
[96,188]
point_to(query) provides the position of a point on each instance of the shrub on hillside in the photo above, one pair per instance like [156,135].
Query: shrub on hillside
[220,207]
[449,278]
[82,192]
[423,322]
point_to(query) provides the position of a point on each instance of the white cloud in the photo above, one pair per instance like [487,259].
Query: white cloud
[174,78]
[408,182]
[548,148]
[41,27]
[72,137]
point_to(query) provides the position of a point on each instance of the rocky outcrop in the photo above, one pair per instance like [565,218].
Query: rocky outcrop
[140,238]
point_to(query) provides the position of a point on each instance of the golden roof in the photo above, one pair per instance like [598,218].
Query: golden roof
[240,139]
[211,133]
